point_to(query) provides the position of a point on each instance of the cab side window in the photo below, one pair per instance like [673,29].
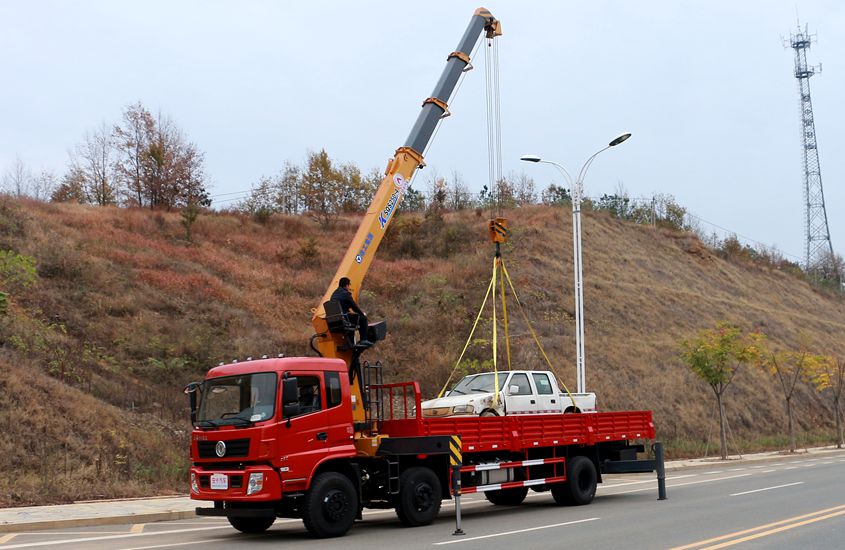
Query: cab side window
[544,386]
[333,394]
[521,381]
[309,394]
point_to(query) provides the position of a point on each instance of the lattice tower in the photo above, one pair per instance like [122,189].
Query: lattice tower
[819,248]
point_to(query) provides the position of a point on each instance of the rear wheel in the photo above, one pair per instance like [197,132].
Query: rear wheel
[507,497]
[419,498]
[330,505]
[580,485]
[252,525]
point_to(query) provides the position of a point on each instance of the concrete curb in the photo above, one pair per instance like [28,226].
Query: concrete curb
[40,525]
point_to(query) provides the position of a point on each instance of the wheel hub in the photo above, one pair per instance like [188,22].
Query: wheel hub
[335,505]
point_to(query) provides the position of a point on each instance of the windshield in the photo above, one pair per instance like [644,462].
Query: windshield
[237,400]
[478,383]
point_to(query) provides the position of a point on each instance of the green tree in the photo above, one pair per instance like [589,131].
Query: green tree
[830,376]
[788,367]
[715,355]
[322,188]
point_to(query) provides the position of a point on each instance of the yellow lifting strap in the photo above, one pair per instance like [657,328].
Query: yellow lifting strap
[496,261]
[533,333]
[469,339]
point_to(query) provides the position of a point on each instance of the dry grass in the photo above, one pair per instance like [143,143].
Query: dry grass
[126,311]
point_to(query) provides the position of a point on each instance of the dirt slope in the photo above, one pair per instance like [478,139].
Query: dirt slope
[124,312]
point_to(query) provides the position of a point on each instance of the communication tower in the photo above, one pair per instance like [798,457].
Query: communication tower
[819,248]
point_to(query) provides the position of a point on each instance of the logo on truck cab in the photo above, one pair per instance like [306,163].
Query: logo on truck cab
[395,197]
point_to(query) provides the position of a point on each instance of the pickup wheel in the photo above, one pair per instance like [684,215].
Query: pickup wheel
[580,485]
[419,498]
[330,505]
[507,497]
[251,525]
[488,412]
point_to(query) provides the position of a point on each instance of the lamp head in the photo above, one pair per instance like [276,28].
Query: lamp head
[619,139]
[530,158]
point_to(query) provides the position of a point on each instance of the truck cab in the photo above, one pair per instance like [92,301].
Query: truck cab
[520,392]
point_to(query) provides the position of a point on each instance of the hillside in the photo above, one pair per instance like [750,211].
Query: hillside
[124,311]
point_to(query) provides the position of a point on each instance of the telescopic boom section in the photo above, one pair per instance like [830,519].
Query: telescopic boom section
[400,170]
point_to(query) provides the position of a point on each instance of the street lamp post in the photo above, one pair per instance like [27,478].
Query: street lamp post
[577,187]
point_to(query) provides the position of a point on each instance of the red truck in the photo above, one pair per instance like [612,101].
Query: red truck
[321,438]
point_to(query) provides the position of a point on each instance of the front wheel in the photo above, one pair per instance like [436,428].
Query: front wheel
[419,498]
[330,505]
[251,525]
[580,485]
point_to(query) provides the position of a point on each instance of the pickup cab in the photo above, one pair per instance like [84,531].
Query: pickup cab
[520,392]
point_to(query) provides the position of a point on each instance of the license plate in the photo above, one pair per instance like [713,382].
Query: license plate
[219,481]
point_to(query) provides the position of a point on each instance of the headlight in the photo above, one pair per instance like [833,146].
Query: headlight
[463,409]
[256,483]
[437,411]
[194,485]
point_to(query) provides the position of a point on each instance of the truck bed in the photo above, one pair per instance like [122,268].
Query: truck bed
[514,433]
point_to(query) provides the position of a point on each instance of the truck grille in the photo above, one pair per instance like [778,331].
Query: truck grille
[235,448]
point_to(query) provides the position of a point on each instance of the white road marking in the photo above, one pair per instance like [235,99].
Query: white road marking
[713,472]
[111,537]
[827,462]
[769,471]
[172,544]
[757,467]
[515,532]
[682,484]
[767,489]
[735,469]
[791,468]
[612,485]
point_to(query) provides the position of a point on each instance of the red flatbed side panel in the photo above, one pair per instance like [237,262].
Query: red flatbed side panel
[618,426]
[518,433]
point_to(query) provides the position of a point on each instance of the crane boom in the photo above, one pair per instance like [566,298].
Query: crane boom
[398,174]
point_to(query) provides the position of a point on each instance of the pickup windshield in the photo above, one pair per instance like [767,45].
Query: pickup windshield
[479,383]
[237,400]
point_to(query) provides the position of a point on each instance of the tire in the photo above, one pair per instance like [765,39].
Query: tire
[251,525]
[488,412]
[580,485]
[572,410]
[507,497]
[419,498]
[330,505]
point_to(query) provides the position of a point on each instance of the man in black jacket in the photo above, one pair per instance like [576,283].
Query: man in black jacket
[343,296]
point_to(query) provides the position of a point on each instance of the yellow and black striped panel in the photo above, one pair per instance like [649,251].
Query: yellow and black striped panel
[455,454]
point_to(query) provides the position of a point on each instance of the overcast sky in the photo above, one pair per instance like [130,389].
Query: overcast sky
[706,88]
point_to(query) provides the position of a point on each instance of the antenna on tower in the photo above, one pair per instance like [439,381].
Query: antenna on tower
[819,250]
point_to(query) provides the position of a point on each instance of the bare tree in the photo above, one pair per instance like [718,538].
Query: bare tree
[459,195]
[133,138]
[17,179]
[92,162]
[43,185]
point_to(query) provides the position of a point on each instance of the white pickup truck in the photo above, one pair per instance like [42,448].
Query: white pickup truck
[520,392]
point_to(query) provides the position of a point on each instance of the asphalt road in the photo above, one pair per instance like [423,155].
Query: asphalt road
[787,503]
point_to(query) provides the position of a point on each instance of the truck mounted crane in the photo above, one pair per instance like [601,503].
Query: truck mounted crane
[321,438]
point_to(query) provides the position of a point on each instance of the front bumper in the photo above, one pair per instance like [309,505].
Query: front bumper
[236,485]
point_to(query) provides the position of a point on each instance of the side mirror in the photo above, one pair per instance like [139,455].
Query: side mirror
[513,390]
[290,392]
[191,390]
[290,398]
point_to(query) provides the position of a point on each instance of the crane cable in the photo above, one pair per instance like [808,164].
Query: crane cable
[494,126]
